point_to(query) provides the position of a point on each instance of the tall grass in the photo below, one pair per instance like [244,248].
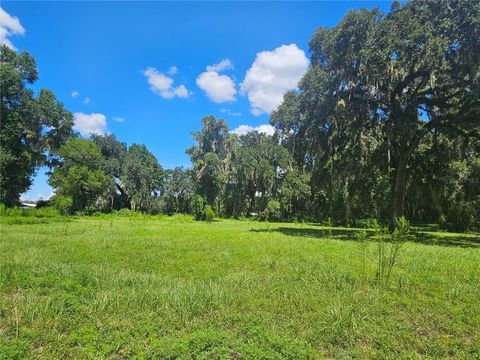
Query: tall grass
[33,212]
[115,287]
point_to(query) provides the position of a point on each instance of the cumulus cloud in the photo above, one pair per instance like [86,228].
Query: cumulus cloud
[225,64]
[87,100]
[172,71]
[9,26]
[271,75]
[75,93]
[218,87]
[245,129]
[87,124]
[118,119]
[162,84]
[230,112]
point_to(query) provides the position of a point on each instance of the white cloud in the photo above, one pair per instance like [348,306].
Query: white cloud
[162,84]
[218,87]
[87,100]
[172,71]
[181,91]
[118,119]
[9,26]
[271,75]
[230,112]
[93,123]
[75,93]
[225,64]
[245,129]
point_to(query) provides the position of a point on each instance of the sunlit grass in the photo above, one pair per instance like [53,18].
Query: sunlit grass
[160,287]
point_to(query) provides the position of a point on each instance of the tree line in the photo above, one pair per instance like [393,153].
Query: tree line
[384,124]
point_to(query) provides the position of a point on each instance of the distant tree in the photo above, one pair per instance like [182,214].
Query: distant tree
[31,127]
[179,190]
[211,157]
[257,170]
[198,206]
[142,177]
[113,153]
[295,194]
[80,176]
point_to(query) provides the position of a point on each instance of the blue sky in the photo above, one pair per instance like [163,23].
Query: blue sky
[139,69]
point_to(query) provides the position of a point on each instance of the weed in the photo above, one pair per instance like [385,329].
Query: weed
[388,252]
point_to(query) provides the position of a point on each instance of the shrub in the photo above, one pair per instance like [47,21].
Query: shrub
[154,205]
[389,253]
[198,206]
[459,217]
[369,223]
[63,204]
[209,213]
[272,211]
[126,213]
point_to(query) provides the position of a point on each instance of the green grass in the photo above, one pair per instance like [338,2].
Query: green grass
[157,287]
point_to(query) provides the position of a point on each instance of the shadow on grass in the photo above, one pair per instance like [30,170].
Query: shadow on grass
[440,239]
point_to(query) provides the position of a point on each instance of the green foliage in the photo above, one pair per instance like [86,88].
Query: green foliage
[375,123]
[179,189]
[14,349]
[142,177]
[459,217]
[369,223]
[33,212]
[63,204]
[209,213]
[389,252]
[375,132]
[272,211]
[212,147]
[198,206]
[80,176]
[113,157]
[154,205]
[30,125]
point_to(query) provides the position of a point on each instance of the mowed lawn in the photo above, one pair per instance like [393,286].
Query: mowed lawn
[151,287]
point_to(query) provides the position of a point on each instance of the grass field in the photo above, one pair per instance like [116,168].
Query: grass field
[147,287]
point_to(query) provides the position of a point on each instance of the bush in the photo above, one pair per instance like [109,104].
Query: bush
[369,223]
[126,213]
[209,213]
[459,217]
[272,211]
[198,206]
[63,204]
[154,205]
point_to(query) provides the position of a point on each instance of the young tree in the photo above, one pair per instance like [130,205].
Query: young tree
[31,127]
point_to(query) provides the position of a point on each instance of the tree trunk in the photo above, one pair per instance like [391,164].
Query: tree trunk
[346,200]
[400,189]
[398,209]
